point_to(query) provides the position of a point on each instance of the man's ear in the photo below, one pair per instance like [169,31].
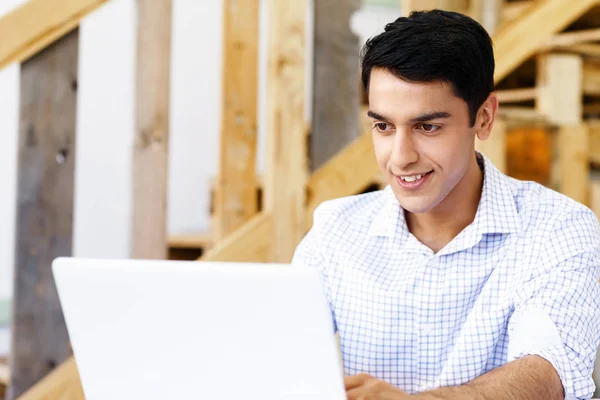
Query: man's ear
[484,121]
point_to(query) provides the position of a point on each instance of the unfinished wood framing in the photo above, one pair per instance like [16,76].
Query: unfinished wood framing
[235,195]
[516,42]
[516,95]
[251,242]
[151,149]
[46,173]
[347,173]
[38,23]
[336,95]
[591,79]
[559,81]
[514,9]
[488,13]
[450,5]
[62,383]
[571,38]
[285,183]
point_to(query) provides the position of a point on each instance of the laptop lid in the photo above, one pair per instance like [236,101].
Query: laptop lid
[198,330]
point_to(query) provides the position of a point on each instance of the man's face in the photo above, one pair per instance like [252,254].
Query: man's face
[422,138]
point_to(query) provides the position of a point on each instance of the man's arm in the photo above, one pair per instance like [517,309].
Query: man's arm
[528,378]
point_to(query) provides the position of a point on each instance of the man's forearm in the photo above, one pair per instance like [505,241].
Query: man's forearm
[529,378]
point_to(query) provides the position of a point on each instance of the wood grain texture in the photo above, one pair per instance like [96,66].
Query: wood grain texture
[517,41]
[63,383]
[251,242]
[560,83]
[573,162]
[235,195]
[37,24]
[150,157]
[450,5]
[336,80]
[285,183]
[45,192]
[350,171]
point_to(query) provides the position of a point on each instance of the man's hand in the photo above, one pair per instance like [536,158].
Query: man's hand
[365,387]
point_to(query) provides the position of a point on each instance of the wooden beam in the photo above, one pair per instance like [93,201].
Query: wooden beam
[514,9]
[350,171]
[571,38]
[285,183]
[235,195]
[593,128]
[559,79]
[450,5]
[520,114]
[585,49]
[591,79]
[516,95]
[488,13]
[251,242]
[335,99]
[46,173]
[38,23]
[151,149]
[516,42]
[191,241]
[574,162]
[62,383]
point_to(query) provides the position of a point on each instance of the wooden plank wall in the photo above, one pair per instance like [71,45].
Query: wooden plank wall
[151,152]
[336,80]
[236,199]
[46,170]
[285,184]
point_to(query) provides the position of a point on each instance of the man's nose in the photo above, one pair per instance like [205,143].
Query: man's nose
[403,150]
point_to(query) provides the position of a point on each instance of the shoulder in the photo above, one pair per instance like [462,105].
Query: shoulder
[563,225]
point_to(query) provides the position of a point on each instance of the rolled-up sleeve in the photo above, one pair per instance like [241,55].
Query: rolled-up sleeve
[557,312]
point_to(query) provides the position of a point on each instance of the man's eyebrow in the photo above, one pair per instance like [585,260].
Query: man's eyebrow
[430,116]
[374,115]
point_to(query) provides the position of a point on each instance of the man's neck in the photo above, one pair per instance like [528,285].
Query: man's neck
[438,227]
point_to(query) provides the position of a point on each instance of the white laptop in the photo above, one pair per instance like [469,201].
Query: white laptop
[198,330]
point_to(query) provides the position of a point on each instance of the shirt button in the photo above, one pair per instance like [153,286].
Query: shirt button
[428,329]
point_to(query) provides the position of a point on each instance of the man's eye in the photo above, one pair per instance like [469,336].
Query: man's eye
[429,128]
[382,126]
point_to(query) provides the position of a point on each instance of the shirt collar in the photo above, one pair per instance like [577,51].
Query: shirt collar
[497,212]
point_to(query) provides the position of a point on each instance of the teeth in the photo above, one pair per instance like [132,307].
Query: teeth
[411,178]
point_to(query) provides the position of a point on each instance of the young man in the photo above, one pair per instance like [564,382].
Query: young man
[456,281]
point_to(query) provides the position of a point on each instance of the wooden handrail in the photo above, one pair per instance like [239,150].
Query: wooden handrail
[35,25]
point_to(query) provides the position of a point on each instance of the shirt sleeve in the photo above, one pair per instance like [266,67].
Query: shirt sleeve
[308,254]
[557,311]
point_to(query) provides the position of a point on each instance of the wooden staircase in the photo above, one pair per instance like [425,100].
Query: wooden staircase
[36,24]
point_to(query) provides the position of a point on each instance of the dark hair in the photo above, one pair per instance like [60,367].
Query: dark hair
[436,45]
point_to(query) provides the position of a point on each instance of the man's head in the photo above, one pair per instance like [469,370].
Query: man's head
[429,78]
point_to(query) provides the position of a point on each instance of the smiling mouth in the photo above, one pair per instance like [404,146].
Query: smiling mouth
[412,181]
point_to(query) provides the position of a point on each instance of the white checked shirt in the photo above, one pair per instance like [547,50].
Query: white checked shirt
[521,279]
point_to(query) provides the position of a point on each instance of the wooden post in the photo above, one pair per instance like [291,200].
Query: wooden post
[488,13]
[46,169]
[236,198]
[336,96]
[285,184]
[559,81]
[150,157]
[450,5]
